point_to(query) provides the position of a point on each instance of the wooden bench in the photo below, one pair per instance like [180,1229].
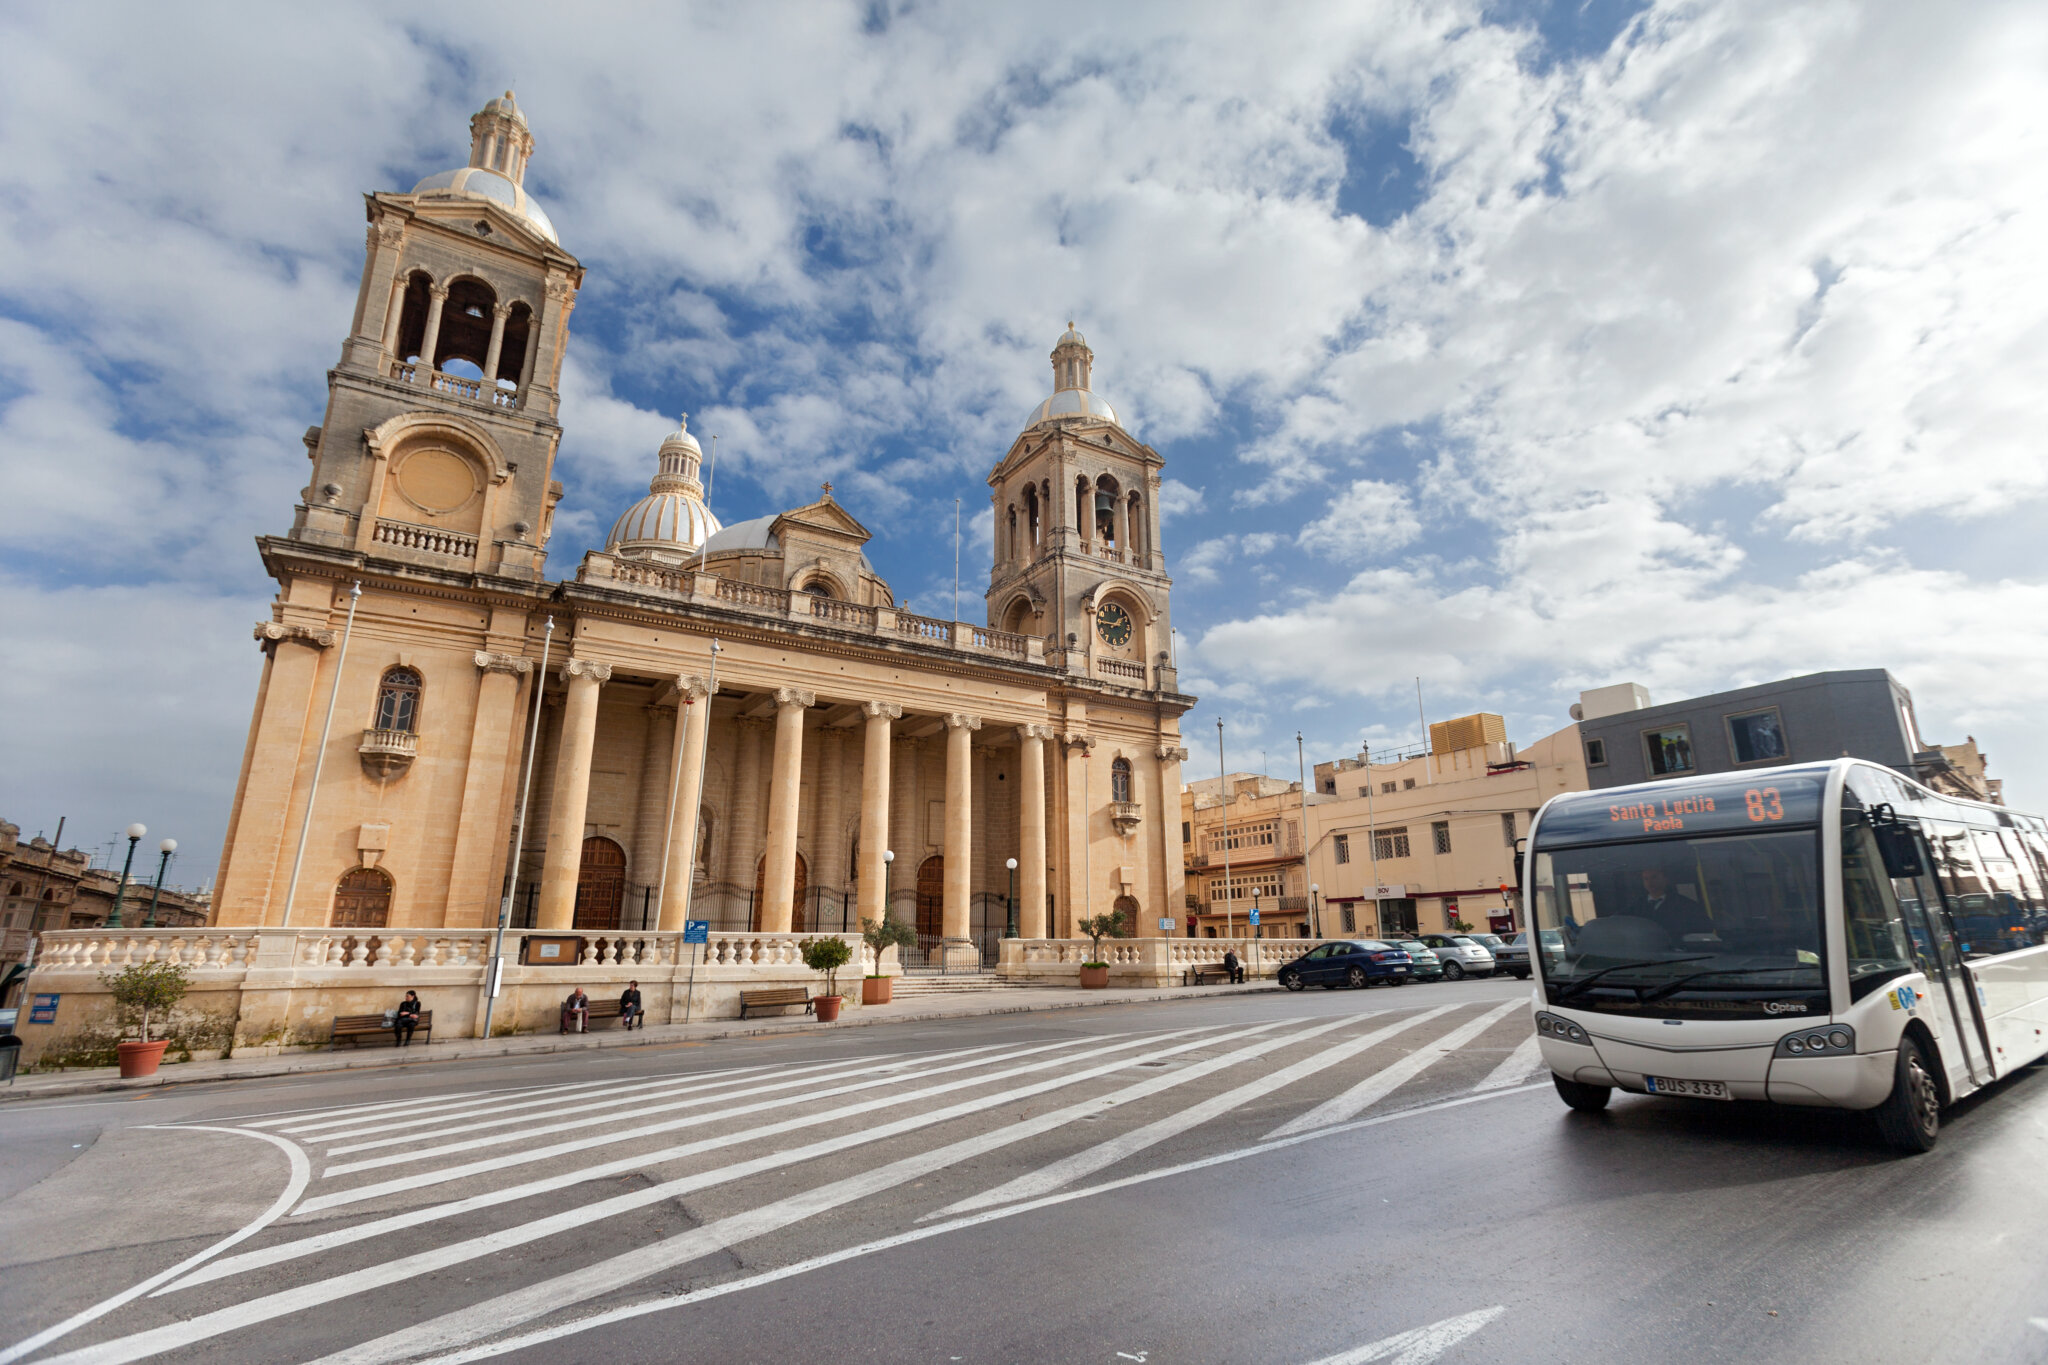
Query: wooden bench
[602,1010]
[1204,974]
[776,999]
[355,1027]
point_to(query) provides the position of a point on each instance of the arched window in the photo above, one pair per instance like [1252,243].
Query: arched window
[704,819]
[398,701]
[1120,780]
[818,587]
[17,890]
[1134,521]
[1105,511]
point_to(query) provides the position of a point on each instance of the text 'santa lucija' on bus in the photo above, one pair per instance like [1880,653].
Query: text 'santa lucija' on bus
[1823,934]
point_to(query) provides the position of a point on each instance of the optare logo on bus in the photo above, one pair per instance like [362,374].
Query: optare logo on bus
[1784,1007]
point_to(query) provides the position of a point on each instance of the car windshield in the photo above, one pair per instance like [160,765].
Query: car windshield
[1463,941]
[1416,947]
[1723,927]
[1488,940]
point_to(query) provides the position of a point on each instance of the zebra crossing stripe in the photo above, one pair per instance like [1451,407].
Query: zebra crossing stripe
[1064,1172]
[1525,1061]
[1420,1346]
[1385,1081]
[171,1336]
[305,1119]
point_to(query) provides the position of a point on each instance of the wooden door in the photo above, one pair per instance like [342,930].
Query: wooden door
[362,899]
[600,884]
[797,918]
[931,900]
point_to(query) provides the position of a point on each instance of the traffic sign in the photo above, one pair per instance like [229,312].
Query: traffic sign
[1255,917]
[1166,924]
[697,931]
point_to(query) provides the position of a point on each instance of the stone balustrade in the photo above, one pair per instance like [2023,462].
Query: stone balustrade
[96,950]
[1142,961]
[1121,669]
[431,540]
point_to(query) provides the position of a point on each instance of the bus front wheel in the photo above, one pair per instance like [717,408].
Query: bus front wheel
[1910,1117]
[1587,1099]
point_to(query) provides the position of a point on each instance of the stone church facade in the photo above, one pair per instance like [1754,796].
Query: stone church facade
[731,723]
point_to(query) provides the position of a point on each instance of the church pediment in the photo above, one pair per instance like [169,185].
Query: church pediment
[824,518]
[461,215]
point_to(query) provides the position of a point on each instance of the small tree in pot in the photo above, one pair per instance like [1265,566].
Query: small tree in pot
[1095,973]
[880,936]
[145,989]
[826,955]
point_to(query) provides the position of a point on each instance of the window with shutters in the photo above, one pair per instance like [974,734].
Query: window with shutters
[1440,832]
[1391,843]
[1343,845]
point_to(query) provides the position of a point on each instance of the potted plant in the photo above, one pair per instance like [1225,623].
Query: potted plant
[826,955]
[1095,973]
[145,989]
[880,936]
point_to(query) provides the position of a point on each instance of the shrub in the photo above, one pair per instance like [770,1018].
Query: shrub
[147,988]
[826,955]
[883,934]
[1100,927]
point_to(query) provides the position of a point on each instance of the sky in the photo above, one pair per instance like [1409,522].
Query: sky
[1518,348]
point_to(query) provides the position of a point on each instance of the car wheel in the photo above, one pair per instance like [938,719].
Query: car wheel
[1587,1099]
[1397,981]
[1522,975]
[1356,976]
[1292,981]
[1453,972]
[1910,1117]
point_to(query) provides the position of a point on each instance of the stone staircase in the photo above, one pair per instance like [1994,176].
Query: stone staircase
[917,985]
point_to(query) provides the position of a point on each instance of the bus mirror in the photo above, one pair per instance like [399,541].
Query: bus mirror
[1899,846]
[1518,869]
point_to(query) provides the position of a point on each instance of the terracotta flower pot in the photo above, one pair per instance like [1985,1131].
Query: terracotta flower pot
[877,990]
[141,1059]
[827,1007]
[1094,976]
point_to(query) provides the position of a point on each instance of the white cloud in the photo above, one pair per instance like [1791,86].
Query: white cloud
[1368,519]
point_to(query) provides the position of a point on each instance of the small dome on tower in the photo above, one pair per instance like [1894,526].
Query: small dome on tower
[499,145]
[1072,368]
[672,521]
[507,106]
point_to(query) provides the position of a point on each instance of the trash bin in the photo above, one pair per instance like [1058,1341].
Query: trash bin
[10,1055]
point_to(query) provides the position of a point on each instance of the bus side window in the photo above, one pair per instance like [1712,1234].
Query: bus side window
[1879,948]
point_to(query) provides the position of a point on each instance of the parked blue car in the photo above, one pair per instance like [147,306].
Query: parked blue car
[1348,962]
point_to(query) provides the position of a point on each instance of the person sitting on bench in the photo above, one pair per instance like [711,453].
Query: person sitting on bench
[629,1007]
[576,1012]
[406,1020]
[1233,966]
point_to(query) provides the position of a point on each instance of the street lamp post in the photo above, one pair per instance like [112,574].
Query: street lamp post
[1315,910]
[135,833]
[167,848]
[1011,863]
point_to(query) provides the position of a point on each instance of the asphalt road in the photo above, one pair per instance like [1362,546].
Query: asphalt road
[1326,1177]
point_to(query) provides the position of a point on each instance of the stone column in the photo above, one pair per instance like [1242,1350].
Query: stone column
[438,293]
[280,737]
[650,809]
[959,948]
[1172,869]
[682,830]
[394,315]
[778,889]
[482,827]
[1031,831]
[499,312]
[1080,858]
[743,808]
[571,797]
[873,895]
[906,824]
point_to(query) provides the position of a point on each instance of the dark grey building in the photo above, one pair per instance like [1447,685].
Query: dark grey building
[1860,712]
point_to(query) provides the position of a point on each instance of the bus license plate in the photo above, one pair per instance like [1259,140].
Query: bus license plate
[1699,1090]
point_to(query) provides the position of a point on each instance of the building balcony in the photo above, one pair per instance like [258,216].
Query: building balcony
[1126,815]
[430,540]
[388,753]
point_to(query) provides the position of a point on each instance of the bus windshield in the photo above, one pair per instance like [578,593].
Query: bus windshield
[1720,927]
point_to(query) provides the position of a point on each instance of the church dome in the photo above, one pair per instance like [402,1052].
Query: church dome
[476,182]
[499,144]
[1072,403]
[1072,364]
[672,521]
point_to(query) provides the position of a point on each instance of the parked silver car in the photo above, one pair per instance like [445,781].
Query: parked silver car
[1461,955]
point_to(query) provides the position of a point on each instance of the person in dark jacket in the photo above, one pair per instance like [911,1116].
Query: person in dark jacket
[629,1007]
[406,1020]
[1233,966]
[575,1011]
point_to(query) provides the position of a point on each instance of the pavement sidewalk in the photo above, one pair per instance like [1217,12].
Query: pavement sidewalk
[966,1004]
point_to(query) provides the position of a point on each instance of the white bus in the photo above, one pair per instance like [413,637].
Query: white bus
[1822,934]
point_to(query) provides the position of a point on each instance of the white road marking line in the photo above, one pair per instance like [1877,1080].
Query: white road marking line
[341,1118]
[446,1122]
[666,1302]
[612,1100]
[315,1114]
[1084,1163]
[577,1286]
[1420,1346]
[450,1173]
[285,1302]
[1522,1063]
[301,1172]
[1381,1083]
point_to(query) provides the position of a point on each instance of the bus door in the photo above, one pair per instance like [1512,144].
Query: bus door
[1952,994]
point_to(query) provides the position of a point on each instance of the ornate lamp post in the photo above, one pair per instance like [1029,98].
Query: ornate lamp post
[1315,910]
[167,848]
[135,833]
[1011,932]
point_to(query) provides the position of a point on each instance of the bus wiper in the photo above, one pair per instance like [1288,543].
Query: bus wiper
[1673,987]
[1579,984]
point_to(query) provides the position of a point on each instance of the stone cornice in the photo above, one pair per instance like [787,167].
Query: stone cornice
[1074,739]
[1170,753]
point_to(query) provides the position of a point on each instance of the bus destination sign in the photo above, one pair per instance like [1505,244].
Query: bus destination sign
[1715,805]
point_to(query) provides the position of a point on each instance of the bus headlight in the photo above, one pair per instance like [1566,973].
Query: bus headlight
[1564,1030]
[1834,1041]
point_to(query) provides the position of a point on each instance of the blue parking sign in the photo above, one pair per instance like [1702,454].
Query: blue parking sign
[1255,918]
[696,931]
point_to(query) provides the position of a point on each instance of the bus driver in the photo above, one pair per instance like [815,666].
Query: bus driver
[1677,913]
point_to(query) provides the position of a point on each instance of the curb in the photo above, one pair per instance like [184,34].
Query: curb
[666,1035]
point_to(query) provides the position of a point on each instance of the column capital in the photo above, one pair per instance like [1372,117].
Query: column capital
[270,632]
[1170,753]
[796,697]
[586,668]
[1074,739]
[501,310]
[1036,732]
[487,662]
[881,710]
[959,720]
[692,688]
[438,292]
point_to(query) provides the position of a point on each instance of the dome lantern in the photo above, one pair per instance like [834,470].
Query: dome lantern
[499,145]
[672,521]
[1073,367]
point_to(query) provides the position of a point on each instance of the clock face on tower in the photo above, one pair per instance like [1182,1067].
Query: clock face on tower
[1113,624]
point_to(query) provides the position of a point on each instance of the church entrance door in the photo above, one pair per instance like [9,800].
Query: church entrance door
[600,884]
[799,923]
[931,902]
[362,899]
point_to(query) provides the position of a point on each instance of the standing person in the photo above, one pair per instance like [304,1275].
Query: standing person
[1233,966]
[575,1011]
[406,1020]
[629,1006]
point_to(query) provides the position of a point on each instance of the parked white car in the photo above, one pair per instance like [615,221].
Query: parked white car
[1461,955]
